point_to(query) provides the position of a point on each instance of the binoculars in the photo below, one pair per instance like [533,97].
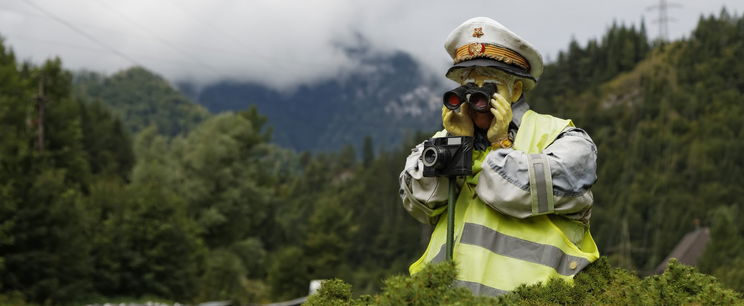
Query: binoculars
[456,97]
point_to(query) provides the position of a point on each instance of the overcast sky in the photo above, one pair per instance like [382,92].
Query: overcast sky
[285,43]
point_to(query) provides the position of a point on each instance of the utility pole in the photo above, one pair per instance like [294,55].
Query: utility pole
[625,247]
[663,19]
[40,106]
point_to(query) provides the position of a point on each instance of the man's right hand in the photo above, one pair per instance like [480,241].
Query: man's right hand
[457,123]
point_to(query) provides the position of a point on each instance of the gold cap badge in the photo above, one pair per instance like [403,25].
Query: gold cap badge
[476,49]
[478,32]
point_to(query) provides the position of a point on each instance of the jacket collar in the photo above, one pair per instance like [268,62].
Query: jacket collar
[518,109]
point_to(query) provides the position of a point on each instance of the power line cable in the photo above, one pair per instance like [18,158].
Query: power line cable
[120,33]
[234,39]
[270,61]
[89,27]
[54,42]
[91,49]
[77,29]
[160,39]
[247,48]
[78,24]
[83,33]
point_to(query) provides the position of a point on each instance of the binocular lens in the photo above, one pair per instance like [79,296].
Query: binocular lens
[479,96]
[452,101]
[479,102]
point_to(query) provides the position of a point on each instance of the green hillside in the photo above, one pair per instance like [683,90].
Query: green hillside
[669,136]
[141,99]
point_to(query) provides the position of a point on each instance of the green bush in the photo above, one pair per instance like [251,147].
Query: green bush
[598,284]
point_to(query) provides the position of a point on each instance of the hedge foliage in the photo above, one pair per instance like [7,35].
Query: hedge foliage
[598,284]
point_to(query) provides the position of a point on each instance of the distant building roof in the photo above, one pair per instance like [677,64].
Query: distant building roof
[688,250]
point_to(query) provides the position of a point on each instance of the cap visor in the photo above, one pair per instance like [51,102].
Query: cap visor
[487,62]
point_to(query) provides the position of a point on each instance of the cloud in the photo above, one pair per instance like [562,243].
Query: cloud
[284,43]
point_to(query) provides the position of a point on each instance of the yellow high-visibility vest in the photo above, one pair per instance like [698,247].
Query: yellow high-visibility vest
[495,253]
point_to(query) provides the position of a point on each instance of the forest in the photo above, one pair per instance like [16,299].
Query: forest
[120,187]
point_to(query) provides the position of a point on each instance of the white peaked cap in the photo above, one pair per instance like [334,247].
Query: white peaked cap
[482,41]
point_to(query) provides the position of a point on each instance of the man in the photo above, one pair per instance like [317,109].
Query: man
[522,217]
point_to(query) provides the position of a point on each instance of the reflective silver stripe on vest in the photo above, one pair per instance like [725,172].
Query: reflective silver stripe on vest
[441,255]
[547,255]
[479,289]
[541,184]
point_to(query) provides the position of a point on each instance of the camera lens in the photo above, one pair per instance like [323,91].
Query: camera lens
[435,157]
[430,156]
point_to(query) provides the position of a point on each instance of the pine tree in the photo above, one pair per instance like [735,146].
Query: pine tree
[45,253]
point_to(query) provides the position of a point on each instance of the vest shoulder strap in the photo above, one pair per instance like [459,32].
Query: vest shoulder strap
[538,131]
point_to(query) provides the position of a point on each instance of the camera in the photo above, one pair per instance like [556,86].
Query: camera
[448,156]
[456,97]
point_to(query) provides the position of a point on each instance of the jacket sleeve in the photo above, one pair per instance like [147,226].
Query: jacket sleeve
[423,197]
[556,181]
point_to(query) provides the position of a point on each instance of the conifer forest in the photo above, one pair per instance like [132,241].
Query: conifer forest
[121,187]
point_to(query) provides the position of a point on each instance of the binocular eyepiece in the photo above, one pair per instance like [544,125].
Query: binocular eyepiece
[479,99]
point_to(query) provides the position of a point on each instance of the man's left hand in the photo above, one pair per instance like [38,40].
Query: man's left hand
[502,116]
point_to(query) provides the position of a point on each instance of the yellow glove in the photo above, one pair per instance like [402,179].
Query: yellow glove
[458,123]
[502,116]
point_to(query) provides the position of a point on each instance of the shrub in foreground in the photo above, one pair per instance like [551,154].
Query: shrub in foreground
[598,284]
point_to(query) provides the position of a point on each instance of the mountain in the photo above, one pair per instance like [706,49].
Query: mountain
[140,99]
[388,99]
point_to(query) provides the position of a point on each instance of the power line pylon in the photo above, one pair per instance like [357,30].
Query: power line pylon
[663,19]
